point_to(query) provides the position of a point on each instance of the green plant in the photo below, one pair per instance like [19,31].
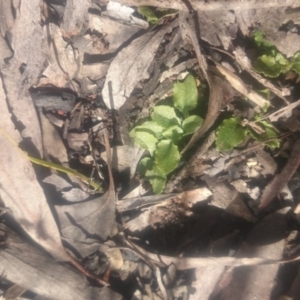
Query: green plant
[53,166]
[165,130]
[154,16]
[232,132]
[272,63]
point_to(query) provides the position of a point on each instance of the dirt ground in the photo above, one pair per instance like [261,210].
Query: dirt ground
[150,149]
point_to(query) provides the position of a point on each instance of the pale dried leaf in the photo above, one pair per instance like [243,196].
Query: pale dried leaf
[22,194]
[125,14]
[185,263]
[266,239]
[7,19]
[115,33]
[121,157]
[21,104]
[62,60]
[239,85]
[84,224]
[75,15]
[33,269]
[266,161]
[93,71]
[57,181]
[28,40]
[206,280]
[52,142]
[130,66]
[228,199]
[216,33]
[5,52]
[75,195]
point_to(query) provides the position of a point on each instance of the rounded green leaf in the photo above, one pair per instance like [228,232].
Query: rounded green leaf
[230,134]
[297,57]
[191,123]
[145,140]
[145,164]
[158,184]
[173,133]
[165,116]
[166,156]
[268,66]
[281,59]
[296,63]
[151,127]
[157,179]
[270,132]
[185,95]
[296,67]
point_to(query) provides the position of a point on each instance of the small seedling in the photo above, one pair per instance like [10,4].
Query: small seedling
[272,63]
[163,133]
[166,128]
[232,132]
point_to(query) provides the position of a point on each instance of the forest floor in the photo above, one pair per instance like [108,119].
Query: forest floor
[149,149]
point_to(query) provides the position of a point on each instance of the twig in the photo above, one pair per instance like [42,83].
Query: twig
[281,179]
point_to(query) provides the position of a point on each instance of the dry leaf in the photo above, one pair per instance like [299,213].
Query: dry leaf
[75,16]
[32,268]
[22,194]
[266,239]
[130,67]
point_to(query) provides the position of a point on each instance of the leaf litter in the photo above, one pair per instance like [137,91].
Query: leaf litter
[77,78]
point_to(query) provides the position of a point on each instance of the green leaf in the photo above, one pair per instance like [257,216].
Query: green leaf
[158,184]
[165,116]
[191,123]
[145,164]
[230,134]
[268,66]
[148,13]
[296,63]
[185,95]
[145,140]
[297,57]
[166,156]
[260,41]
[173,133]
[270,132]
[281,59]
[151,127]
[157,179]
[296,67]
